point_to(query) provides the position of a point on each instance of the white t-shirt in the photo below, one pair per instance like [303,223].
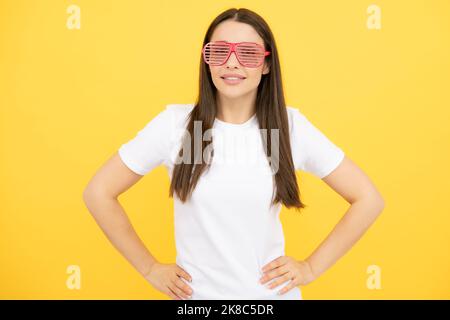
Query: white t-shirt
[228,230]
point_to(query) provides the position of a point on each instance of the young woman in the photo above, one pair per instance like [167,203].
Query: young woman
[229,239]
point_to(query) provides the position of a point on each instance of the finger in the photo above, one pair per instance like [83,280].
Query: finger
[274,264]
[289,286]
[180,272]
[183,286]
[172,294]
[279,281]
[274,273]
[173,291]
[178,291]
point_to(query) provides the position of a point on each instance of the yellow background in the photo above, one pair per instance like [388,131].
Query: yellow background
[70,98]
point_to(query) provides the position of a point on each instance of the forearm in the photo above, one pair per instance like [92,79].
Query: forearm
[358,218]
[114,222]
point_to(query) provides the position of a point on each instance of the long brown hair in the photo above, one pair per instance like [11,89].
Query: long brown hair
[271,113]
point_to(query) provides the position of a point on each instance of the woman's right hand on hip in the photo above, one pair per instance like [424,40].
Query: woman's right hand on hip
[167,278]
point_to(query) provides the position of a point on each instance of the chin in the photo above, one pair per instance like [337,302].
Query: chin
[232,94]
[233,91]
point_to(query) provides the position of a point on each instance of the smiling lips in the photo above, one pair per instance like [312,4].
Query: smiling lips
[232,78]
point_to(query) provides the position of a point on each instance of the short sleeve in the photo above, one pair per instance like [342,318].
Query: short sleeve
[312,150]
[151,145]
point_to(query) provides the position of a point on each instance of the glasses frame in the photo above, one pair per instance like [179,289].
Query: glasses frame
[232,46]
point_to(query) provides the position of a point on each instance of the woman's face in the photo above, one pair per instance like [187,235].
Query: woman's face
[233,31]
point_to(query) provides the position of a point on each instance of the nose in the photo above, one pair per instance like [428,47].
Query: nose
[232,60]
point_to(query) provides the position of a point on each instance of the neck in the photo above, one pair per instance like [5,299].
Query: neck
[236,110]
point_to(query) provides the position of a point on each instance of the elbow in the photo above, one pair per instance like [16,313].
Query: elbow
[381,205]
[378,202]
[87,196]
[88,192]
[373,200]
[92,200]
[94,194]
[90,195]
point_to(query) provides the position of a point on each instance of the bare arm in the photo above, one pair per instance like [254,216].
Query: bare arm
[100,197]
[366,204]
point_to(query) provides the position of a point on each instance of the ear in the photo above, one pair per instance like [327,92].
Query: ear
[266,68]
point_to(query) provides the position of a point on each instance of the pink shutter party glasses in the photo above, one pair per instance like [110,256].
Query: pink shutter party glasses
[249,54]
